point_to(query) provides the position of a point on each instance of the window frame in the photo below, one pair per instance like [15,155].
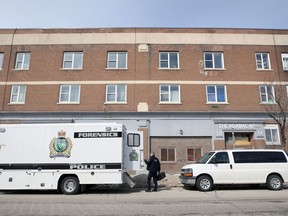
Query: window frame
[25,58]
[1,60]
[214,61]
[194,154]
[72,60]
[117,60]
[262,61]
[271,128]
[266,94]
[167,155]
[21,89]
[135,141]
[116,95]
[169,60]
[169,94]
[284,65]
[216,95]
[69,94]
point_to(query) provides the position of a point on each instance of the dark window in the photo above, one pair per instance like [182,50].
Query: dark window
[259,157]
[273,157]
[133,140]
[220,157]
[168,155]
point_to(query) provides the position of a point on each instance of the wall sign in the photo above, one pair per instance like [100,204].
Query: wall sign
[238,126]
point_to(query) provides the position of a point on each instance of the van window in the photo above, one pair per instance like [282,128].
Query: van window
[220,157]
[273,157]
[259,157]
[205,158]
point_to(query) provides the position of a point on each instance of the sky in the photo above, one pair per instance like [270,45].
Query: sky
[255,14]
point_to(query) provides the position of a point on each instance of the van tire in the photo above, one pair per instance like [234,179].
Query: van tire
[70,185]
[274,182]
[204,183]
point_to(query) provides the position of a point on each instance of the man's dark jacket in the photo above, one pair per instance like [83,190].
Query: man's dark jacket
[153,164]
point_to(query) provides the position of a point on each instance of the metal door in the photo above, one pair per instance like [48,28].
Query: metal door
[133,151]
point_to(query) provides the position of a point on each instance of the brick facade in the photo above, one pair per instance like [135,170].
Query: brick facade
[143,78]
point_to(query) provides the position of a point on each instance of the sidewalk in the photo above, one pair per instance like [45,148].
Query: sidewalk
[168,182]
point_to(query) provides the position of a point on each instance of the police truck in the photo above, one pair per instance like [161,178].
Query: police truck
[68,157]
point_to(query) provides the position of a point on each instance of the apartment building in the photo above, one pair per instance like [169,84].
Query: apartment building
[188,90]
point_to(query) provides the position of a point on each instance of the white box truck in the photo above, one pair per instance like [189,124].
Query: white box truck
[67,156]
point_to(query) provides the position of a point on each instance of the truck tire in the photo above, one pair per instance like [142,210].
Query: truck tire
[70,185]
[204,183]
[274,182]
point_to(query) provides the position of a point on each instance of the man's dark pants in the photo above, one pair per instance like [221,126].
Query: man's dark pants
[150,176]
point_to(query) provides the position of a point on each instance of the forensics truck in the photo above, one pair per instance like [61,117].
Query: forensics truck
[68,157]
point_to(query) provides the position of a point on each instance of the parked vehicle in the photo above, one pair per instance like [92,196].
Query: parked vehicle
[237,167]
[67,156]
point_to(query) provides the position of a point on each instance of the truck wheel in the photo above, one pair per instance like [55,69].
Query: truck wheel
[274,182]
[204,183]
[70,185]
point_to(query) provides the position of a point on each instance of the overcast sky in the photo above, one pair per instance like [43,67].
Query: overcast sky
[268,14]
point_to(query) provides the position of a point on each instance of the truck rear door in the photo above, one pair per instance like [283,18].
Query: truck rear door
[133,151]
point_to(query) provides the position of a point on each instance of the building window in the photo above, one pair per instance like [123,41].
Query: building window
[267,94]
[284,57]
[194,154]
[168,154]
[213,60]
[117,60]
[263,61]
[216,94]
[73,60]
[1,60]
[22,61]
[272,135]
[168,60]
[169,94]
[116,93]
[18,94]
[69,94]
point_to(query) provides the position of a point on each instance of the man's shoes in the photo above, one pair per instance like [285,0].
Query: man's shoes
[147,190]
[154,190]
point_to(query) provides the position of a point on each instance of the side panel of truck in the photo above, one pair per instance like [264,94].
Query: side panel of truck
[37,156]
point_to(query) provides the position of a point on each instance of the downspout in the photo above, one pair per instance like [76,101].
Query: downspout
[149,138]
[8,69]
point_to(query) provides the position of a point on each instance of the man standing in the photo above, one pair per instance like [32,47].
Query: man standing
[153,166]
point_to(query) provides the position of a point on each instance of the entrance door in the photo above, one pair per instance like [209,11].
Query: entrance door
[133,151]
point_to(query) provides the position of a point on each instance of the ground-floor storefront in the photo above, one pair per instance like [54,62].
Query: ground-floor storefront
[177,138]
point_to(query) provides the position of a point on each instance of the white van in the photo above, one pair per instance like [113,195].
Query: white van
[237,167]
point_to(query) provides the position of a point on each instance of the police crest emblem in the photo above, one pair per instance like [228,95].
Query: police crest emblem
[133,155]
[60,146]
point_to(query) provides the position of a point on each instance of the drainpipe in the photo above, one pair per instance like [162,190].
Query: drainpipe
[149,139]
[8,68]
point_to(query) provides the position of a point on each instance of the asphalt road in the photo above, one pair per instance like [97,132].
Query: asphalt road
[167,201]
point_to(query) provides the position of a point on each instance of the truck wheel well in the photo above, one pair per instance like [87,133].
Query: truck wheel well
[62,177]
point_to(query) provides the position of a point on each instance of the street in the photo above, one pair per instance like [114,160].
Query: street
[167,201]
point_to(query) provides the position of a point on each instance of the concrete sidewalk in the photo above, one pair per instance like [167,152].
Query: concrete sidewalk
[168,181]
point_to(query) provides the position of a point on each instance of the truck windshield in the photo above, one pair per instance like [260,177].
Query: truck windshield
[205,158]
